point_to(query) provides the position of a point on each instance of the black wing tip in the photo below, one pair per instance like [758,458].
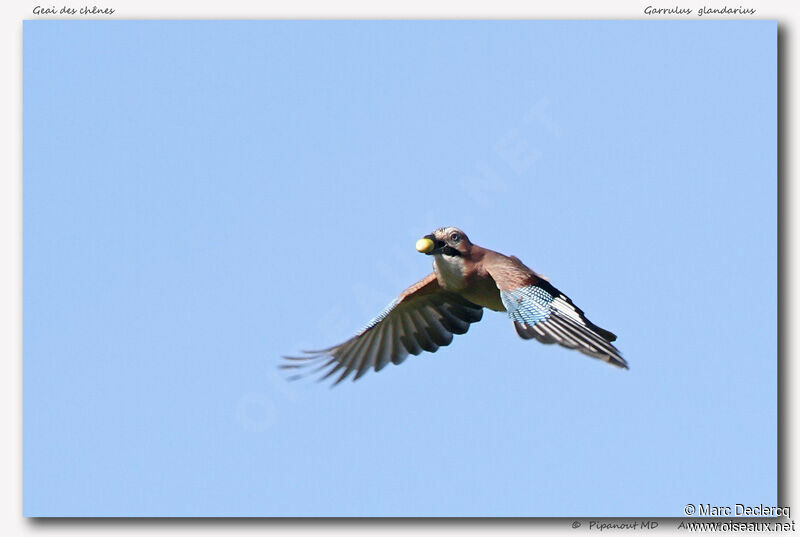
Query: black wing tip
[620,362]
[609,336]
[602,332]
[306,364]
[526,331]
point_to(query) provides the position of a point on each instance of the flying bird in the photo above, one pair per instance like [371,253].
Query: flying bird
[465,279]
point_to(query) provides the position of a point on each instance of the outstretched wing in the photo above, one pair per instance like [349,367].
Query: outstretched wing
[423,318]
[542,312]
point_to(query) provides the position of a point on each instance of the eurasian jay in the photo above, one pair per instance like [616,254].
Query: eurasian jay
[466,278]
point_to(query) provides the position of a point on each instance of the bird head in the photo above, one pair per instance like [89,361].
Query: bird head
[449,241]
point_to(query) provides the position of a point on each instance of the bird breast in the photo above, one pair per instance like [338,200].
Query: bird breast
[450,271]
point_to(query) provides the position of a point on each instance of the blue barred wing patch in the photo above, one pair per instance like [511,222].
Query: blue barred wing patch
[527,305]
[381,316]
[550,317]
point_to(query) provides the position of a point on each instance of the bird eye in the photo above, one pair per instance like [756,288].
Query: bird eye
[455,237]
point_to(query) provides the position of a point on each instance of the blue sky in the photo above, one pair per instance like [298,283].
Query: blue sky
[201,198]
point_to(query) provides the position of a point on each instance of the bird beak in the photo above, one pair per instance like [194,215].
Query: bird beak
[425,245]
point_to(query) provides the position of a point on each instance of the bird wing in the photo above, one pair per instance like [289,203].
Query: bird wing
[423,318]
[541,311]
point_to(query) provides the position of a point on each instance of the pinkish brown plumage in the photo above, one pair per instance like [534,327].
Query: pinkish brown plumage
[466,278]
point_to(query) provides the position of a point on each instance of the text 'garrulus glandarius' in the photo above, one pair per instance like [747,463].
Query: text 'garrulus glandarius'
[466,278]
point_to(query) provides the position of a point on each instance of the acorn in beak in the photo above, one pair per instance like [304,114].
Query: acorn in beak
[425,245]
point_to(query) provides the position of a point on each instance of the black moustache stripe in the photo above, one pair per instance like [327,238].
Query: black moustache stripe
[449,250]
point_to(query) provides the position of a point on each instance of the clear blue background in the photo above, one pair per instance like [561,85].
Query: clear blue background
[201,198]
